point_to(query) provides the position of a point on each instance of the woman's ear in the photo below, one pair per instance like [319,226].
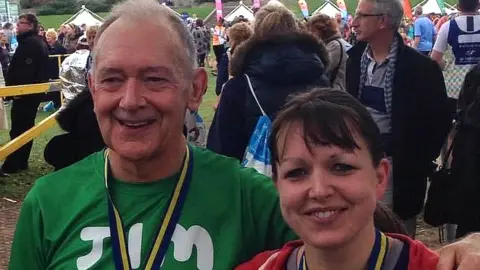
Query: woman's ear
[382,174]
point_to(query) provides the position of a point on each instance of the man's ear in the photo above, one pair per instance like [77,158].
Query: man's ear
[199,86]
[91,82]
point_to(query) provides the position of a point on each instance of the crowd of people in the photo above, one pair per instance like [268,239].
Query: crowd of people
[355,120]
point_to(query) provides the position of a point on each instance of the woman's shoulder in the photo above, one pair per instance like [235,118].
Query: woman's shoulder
[271,260]
[420,257]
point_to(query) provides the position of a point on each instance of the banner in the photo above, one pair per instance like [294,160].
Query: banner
[407,9]
[219,8]
[441,5]
[256,3]
[343,8]
[304,8]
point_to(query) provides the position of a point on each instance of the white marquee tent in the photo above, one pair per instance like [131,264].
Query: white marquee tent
[431,6]
[328,8]
[85,16]
[240,10]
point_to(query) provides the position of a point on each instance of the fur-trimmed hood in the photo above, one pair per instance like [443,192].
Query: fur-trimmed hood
[281,58]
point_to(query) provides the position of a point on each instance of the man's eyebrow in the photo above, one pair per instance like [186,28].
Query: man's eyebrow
[110,70]
[157,69]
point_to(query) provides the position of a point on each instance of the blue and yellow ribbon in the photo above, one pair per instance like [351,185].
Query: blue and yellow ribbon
[377,255]
[165,231]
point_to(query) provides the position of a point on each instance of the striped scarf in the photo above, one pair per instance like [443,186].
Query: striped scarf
[389,74]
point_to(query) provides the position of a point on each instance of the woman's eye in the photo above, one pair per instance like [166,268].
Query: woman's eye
[341,168]
[296,173]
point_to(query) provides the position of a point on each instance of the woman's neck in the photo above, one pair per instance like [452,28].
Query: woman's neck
[162,164]
[352,256]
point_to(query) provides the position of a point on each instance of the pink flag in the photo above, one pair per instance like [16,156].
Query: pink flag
[256,3]
[219,8]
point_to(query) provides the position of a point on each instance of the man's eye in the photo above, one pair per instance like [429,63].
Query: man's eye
[296,173]
[341,168]
[111,80]
[155,79]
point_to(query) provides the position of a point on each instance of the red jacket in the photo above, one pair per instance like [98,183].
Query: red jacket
[420,257]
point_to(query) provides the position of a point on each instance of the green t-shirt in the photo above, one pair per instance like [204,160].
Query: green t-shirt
[230,215]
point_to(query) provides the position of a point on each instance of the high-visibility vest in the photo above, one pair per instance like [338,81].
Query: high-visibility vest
[218,35]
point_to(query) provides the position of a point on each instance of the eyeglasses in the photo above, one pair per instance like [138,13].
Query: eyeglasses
[360,15]
[22,22]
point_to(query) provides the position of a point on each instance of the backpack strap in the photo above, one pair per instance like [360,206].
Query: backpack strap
[253,94]
[334,74]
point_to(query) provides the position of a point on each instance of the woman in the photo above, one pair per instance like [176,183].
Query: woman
[326,29]
[279,59]
[328,168]
[71,38]
[237,34]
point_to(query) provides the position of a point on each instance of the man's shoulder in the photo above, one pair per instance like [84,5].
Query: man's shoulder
[69,179]
[226,168]
[411,55]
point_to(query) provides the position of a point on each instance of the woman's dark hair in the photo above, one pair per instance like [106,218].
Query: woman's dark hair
[31,19]
[386,221]
[327,117]
[199,23]
[322,26]
[468,5]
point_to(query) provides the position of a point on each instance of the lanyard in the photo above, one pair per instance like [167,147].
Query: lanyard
[377,255]
[165,231]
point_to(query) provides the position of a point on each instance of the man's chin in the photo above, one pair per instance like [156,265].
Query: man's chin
[133,151]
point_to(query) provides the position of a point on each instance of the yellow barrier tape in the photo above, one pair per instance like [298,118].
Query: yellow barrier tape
[29,135]
[19,90]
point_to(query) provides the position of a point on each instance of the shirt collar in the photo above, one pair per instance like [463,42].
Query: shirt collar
[390,56]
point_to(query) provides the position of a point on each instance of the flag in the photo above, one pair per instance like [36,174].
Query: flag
[304,8]
[407,9]
[256,3]
[441,5]
[343,8]
[219,8]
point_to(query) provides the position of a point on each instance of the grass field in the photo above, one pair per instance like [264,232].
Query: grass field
[54,21]
[17,185]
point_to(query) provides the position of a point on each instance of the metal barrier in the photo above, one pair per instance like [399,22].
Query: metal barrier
[41,127]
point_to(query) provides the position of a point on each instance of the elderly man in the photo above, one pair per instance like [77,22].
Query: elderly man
[106,211]
[405,94]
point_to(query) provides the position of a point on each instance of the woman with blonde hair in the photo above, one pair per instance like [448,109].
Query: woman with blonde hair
[278,60]
[326,29]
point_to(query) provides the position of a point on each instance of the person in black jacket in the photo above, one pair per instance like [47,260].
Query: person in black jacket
[405,93]
[28,66]
[280,60]
[83,137]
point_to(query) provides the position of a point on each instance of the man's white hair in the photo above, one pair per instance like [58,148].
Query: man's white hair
[393,9]
[150,11]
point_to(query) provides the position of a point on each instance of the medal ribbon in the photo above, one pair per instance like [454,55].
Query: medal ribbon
[377,255]
[165,231]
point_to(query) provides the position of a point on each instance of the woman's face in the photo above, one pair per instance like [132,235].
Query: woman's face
[328,195]
[51,40]
[41,31]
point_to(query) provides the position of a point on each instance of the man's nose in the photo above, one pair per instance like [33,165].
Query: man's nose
[132,95]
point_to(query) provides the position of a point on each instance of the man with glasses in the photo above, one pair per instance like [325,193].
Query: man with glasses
[405,94]
[28,66]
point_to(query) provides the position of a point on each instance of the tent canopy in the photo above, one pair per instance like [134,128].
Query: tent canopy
[328,8]
[431,6]
[240,10]
[85,16]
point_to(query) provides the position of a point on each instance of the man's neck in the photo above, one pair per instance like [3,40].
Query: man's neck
[380,47]
[353,256]
[162,165]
